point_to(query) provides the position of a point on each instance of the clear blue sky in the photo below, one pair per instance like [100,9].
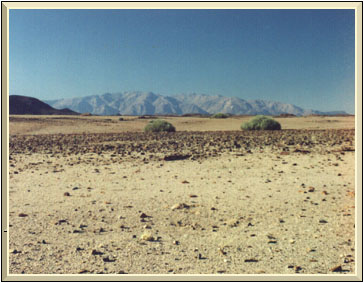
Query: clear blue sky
[303,57]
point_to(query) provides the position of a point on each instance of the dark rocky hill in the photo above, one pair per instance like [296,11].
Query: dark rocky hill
[22,105]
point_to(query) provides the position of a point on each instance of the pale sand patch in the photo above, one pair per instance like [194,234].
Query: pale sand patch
[241,214]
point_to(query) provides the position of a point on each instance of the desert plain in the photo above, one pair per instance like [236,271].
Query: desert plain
[97,195]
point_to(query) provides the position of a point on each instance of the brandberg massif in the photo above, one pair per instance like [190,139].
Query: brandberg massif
[140,183]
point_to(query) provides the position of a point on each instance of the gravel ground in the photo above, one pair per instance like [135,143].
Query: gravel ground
[183,203]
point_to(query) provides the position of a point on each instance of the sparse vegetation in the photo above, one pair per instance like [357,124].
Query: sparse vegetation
[220,116]
[159,126]
[261,123]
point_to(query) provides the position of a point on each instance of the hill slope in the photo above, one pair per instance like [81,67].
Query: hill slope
[21,105]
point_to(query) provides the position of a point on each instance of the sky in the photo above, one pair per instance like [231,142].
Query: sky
[302,57]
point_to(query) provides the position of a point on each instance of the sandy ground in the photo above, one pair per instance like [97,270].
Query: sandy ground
[35,124]
[273,203]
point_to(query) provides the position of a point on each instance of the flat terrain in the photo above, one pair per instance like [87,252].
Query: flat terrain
[97,195]
[36,124]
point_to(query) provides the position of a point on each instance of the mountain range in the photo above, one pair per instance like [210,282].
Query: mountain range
[149,103]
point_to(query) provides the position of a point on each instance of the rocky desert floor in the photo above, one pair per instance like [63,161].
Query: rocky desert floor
[96,195]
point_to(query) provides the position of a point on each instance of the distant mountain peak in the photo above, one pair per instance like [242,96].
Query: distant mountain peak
[149,103]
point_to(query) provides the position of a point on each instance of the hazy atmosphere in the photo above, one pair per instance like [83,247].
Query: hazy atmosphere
[302,57]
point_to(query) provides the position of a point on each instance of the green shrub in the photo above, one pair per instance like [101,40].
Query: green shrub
[159,126]
[220,115]
[261,123]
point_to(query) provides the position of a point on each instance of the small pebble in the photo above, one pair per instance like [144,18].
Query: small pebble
[143,215]
[336,269]
[251,260]
[95,252]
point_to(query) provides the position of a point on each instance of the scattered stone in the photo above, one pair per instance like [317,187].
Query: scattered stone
[221,250]
[322,221]
[147,237]
[185,182]
[60,221]
[22,215]
[180,206]
[336,269]
[95,252]
[251,260]
[301,150]
[107,259]
[143,215]
[311,189]
[232,222]
[67,194]
[84,271]
[347,260]
[176,157]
